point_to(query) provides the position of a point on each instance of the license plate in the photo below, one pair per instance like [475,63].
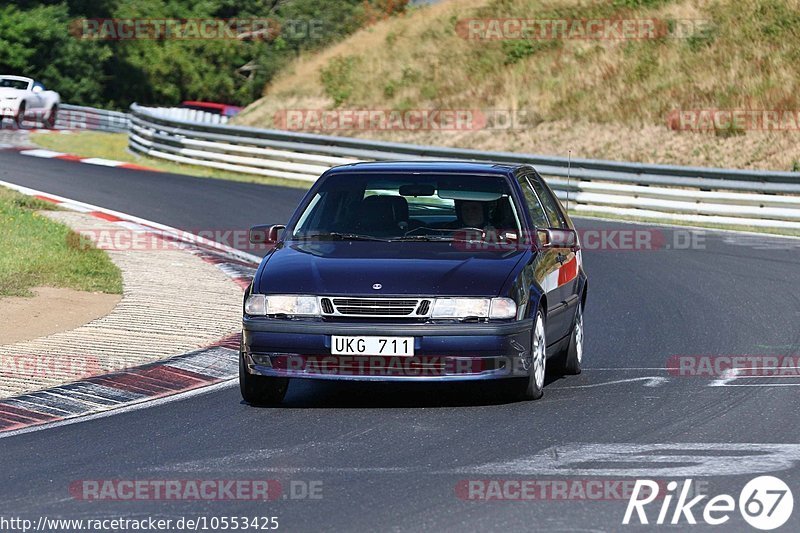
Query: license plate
[394,346]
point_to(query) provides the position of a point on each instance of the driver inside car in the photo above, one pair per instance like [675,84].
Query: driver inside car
[493,219]
[471,214]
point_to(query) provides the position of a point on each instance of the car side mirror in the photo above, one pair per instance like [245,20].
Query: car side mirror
[265,233]
[557,238]
[37,89]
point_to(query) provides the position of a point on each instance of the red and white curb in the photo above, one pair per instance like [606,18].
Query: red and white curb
[63,131]
[50,154]
[99,394]
[26,129]
[175,376]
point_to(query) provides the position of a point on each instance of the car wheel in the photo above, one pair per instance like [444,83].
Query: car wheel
[20,116]
[574,356]
[532,387]
[52,117]
[260,390]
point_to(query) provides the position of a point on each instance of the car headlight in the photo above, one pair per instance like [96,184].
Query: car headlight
[503,308]
[497,308]
[278,304]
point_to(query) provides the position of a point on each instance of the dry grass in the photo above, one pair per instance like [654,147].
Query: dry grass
[607,99]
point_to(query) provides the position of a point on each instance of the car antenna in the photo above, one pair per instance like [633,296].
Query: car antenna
[569,169]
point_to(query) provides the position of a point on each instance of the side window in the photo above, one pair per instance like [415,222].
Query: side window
[534,207]
[549,203]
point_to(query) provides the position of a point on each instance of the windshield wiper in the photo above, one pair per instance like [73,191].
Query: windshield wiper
[336,236]
[424,238]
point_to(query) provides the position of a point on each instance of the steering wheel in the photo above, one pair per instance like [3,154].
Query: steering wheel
[430,231]
[473,229]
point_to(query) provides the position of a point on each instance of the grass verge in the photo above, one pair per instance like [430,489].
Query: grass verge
[115,146]
[35,251]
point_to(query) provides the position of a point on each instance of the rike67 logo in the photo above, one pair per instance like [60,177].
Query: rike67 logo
[765,503]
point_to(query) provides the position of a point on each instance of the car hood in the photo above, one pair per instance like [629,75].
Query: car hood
[6,92]
[415,268]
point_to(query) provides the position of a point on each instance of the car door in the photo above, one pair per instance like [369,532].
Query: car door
[36,100]
[547,266]
[566,291]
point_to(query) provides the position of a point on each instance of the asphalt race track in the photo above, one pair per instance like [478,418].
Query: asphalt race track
[397,457]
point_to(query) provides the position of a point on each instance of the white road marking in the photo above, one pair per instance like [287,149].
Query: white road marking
[626,369]
[39,152]
[630,460]
[133,226]
[78,208]
[650,381]
[102,162]
[649,460]
[736,374]
[763,385]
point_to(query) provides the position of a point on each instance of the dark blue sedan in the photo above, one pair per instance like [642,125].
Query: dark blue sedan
[416,271]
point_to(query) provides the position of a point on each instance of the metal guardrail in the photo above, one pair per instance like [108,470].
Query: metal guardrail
[655,192]
[188,114]
[75,117]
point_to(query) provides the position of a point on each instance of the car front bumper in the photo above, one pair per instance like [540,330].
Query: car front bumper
[442,352]
[9,108]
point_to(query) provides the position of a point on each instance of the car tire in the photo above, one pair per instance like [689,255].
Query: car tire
[52,117]
[260,390]
[19,118]
[532,387]
[573,358]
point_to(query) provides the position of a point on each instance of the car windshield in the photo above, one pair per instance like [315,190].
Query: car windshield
[13,84]
[410,208]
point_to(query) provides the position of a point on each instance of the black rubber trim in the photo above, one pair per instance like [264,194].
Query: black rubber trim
[330,328]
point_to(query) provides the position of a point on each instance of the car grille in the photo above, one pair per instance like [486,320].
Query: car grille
[376,307]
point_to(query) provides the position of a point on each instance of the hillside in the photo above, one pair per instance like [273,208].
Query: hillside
[608,98]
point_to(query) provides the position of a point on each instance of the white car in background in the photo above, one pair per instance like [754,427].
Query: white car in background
[22,98]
